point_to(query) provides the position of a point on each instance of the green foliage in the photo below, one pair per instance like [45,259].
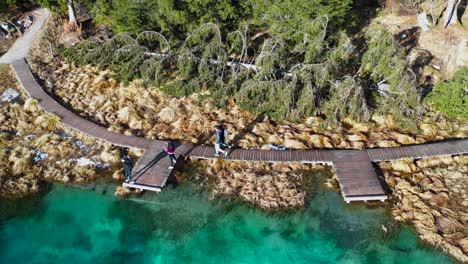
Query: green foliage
[59,6]
[451,97]
[123,15]
[201,63]
[303,59]
[4,4]
[347,99]
[292,19]
[385,63]
[171,17]
[272,97]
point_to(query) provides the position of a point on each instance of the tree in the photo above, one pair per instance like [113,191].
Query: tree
[71,14]
[287,72]
[451,97]
[348,99]
[384,62]
[450,14]
[5,4]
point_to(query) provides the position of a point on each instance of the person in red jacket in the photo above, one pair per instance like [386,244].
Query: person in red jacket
[170,148]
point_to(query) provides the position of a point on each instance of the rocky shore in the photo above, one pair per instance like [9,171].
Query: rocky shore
[432,195]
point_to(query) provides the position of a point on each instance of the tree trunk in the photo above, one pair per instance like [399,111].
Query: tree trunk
[450,15]
[71,13]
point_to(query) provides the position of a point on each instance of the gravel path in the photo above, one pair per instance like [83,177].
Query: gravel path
[21,47]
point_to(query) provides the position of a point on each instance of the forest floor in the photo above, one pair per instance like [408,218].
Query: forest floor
[445,49]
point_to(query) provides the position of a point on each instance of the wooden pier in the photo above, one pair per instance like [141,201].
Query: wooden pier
[354,168]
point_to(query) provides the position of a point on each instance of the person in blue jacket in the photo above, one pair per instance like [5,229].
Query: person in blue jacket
[128,165]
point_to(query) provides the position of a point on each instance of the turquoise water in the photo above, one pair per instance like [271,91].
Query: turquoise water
[71,225]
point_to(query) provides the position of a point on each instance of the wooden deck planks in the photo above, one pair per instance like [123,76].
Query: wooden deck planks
[356,176]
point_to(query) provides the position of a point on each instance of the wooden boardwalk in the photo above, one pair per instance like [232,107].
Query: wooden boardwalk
[34,90]
[449,147]
[151,172]
[354,168]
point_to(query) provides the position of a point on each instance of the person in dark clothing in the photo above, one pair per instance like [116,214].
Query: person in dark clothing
[224,136]
[128,165]
[220,140]
[170,148]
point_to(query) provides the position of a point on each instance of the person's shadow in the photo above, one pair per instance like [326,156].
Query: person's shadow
[461,10]
[246,130]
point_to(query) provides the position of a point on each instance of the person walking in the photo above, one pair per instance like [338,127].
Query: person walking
[224,133]
[170,148]
[128,165]
[220,140]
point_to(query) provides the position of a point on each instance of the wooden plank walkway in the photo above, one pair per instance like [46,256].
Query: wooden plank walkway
[34,90]
[356,176]
[151,171]
[354,170]
[449,147]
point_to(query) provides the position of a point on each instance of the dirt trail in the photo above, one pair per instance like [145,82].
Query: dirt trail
[21,47]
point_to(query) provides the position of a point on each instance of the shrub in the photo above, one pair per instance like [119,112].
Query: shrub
[451,97]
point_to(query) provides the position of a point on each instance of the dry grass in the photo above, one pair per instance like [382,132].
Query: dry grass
[400,7]
[270,186]
[138,110]
[24,129]
[432,194]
